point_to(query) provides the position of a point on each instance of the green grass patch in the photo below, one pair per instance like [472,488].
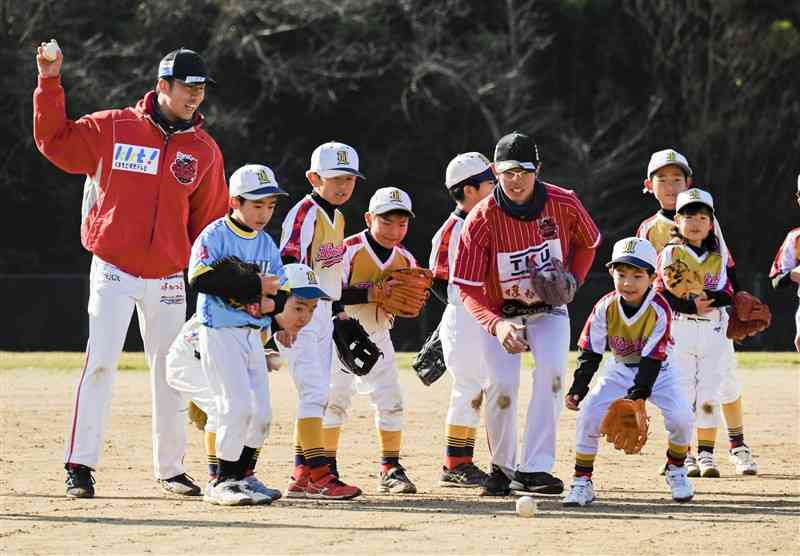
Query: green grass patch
[135,361]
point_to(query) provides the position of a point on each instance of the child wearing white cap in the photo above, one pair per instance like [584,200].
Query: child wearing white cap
[313,234]
[229,336]
[468,180]
[669,174]
[369,257]
[693,277]
[185,374]
[633,322]
[785,269]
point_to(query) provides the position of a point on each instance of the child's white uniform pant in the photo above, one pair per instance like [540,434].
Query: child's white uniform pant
[614,381]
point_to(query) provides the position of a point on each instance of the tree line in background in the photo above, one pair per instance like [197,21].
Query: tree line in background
[600,83]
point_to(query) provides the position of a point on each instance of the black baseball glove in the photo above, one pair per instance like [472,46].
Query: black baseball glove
[357,352]
[244,278]
[429,362]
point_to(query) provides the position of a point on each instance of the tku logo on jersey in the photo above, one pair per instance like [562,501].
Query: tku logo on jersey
[184,168]
[135,158]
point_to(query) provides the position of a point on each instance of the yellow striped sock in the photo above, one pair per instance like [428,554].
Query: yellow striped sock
[390,446]
[706,439]
[330,438]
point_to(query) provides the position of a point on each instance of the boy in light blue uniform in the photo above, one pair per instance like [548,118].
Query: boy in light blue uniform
[230,346]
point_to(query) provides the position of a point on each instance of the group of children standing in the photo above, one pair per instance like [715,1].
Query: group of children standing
[667,346]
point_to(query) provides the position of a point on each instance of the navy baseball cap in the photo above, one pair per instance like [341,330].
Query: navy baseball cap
[184,65]
[516,150]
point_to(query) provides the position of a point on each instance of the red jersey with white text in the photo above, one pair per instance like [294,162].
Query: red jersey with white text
[494,246]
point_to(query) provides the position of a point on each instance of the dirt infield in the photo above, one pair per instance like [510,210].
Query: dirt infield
[633,513]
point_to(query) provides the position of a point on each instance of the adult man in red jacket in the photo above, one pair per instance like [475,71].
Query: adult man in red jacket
[154,180]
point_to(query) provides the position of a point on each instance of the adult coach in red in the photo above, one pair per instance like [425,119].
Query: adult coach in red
[525,219]
[154,180]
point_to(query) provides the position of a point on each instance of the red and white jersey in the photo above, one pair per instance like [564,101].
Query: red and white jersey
[443,253]
[493,246]
[788,256]
[362,268]
[658,230]
[309,236]
[644,334]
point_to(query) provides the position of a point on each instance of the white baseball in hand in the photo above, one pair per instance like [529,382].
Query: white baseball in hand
[526,506]
[50,51]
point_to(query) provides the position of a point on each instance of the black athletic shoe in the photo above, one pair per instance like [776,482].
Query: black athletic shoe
[497,483]
[80,483]
[466,475]
[539,482]
[182,485]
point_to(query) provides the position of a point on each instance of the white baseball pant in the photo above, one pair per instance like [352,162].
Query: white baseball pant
[700,355]
[309,361]
[548,337]
[381,383]
[462,347]
[614,382]
[234,363]
[185,373]
[161,308]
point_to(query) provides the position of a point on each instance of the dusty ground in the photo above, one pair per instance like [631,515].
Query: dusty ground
[634,513]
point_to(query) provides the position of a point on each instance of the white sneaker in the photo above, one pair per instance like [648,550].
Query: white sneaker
[253,484]
[678,481]
[580,494]
[708,467]
[742,458]
[692,468]
[227,493]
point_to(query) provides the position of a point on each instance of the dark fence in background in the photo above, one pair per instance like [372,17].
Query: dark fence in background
[48,313]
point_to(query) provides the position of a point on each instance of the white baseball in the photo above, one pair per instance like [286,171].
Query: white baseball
[526,506]
[51,51]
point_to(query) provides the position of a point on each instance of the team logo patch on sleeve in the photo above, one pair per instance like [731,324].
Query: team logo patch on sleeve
[184,168]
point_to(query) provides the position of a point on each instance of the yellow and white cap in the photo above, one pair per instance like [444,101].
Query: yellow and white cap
[465,166]
[302,282]
[692,196]
[254,181]
[387,199]
[634,251]
[659,159]
[333,159]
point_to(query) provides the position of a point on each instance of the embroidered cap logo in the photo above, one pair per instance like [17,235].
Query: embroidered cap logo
[312,278]
[394,196]
[671,156]
[341,157]
[263,177]
[629,247]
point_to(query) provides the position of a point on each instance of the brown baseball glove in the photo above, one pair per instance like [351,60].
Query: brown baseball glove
[404,291]
[197,416]
[625,425]
[681,281]
[749,316]
[556,287]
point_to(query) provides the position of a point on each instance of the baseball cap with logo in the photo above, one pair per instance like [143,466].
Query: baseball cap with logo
[387,199]
[634,251]
[694,196]
[516,150]
[333,159]
[184,65]
[254,181]
[659,159]
[471,166]
[302,281]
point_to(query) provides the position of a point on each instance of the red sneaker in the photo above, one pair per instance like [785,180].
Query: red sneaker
[331,488]
[297,487]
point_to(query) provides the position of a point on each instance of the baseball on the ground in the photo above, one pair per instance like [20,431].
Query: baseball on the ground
[51,51]
[526,506]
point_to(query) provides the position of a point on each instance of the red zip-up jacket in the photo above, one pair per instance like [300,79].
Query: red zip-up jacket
[148,194]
